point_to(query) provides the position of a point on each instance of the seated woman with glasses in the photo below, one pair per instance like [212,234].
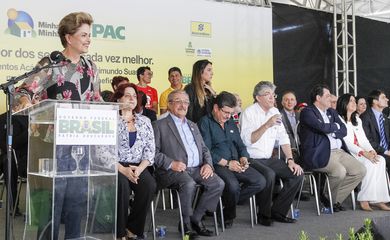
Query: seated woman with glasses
[373,190]
[136,147]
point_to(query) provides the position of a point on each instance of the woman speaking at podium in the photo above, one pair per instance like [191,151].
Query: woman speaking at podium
[76,78]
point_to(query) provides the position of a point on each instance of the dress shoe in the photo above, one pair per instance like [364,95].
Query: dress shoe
[281,218]
[187,231]
[339,207]
[365,206]
[201,229]
[264,220]
[228,223]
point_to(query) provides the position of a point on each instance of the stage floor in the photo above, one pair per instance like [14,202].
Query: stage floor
[325,225]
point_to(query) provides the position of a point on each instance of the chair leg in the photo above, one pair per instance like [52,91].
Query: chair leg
[329,194]
[311,186]
[254,207]
[157,199]
[18,194]
[163,199]
[313,180]
[171,198]
[216,224]
[181,214]
[251,211]
[196,197]
[300,192]
[353,200]
[388,181]
[152,213]
[221,212]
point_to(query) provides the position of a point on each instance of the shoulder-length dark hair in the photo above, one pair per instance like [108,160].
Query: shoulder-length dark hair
[120,92]
[342,104]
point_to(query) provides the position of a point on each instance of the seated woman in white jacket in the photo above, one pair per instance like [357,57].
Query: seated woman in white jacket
[373,190]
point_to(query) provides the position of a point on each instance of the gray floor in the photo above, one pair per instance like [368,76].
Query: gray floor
[325,225]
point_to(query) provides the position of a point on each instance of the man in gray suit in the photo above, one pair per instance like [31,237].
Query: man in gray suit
[182,160]
[290,120]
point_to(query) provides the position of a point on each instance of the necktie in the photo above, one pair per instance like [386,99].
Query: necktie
[293,121]
[382,132]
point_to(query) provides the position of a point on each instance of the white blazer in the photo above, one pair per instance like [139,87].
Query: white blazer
[364,144]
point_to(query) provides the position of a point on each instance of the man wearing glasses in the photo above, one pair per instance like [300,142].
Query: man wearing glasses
[182,160]
[229,155]
[261,128]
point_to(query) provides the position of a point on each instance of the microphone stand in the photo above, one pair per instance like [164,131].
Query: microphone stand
[9,89]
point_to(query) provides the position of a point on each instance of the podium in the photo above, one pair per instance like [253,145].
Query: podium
[71,171]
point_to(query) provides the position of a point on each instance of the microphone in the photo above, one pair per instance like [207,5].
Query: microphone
[57,57]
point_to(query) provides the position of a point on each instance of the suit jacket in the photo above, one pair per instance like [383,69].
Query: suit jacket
[287,125]
[169,145]
[371,129]
[315,144]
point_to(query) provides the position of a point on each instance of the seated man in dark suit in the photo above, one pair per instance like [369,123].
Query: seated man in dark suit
[182,160]
[376,126]
[229,155]
[323,149]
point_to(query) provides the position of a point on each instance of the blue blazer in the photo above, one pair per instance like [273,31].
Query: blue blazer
[315,144]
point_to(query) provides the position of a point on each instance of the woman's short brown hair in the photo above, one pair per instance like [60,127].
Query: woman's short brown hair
[71,22]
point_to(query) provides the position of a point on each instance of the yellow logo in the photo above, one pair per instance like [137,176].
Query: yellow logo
[202,29]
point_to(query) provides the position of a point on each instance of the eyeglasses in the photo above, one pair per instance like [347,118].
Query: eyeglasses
[268,94]
[181,102]
[226,112]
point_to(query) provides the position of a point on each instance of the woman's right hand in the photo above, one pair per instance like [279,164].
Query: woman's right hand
[129,172]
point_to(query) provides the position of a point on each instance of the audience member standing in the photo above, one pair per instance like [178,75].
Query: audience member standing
[117,81]
[323,149]
[200,92]
[374,189]
[175,79]
[361,105]
[261,128]
[144,76]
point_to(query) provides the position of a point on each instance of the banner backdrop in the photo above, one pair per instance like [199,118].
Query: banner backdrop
[160,34]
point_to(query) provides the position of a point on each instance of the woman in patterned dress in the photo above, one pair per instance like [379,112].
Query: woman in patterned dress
[136,149]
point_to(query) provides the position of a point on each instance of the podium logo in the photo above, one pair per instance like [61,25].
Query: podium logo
[85,126]
[20,24]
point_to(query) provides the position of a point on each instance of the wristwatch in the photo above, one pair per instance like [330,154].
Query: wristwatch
[290,158]
[227,164]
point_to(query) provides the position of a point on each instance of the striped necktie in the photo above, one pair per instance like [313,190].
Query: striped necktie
[382,132]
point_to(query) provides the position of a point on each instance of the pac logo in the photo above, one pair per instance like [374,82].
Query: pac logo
[108,31]
[20,24]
